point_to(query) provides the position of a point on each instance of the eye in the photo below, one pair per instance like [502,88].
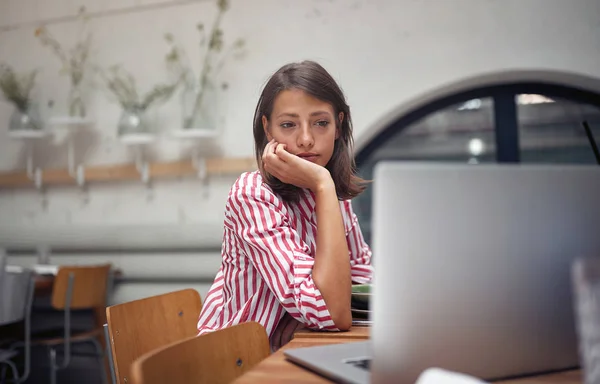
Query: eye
[322,123]
[286,125]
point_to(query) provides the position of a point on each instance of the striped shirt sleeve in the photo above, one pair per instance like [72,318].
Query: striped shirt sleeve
[259,219]
[360,252]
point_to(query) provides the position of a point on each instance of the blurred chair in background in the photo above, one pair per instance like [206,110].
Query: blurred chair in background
[138,327]
[75,288]
[215,358]
[16,297]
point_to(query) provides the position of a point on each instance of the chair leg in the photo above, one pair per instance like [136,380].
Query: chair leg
[14,370]
[100,353]
[52,366]
[3,374]
[109,355]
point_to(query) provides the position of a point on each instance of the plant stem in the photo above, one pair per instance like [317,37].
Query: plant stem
[206,67]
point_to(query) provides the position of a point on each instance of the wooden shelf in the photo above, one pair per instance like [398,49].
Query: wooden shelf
[129,172]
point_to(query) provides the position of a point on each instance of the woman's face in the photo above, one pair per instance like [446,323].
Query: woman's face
[306,125]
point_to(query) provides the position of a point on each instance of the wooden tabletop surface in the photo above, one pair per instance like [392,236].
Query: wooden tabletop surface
[44,283]
[356,333]
[276,369]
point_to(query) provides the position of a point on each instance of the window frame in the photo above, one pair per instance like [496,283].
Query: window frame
[505,114]
[505,108]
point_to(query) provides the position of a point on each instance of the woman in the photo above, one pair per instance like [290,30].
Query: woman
[292,245]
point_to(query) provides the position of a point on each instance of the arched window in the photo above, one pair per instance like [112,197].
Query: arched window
[509,123]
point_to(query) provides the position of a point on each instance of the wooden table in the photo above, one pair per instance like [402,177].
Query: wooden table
[355,334]
[43,284]
[276,369]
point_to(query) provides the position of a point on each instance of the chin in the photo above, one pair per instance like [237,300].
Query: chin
[324,163]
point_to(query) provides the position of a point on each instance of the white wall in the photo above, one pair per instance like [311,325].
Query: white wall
[383,52]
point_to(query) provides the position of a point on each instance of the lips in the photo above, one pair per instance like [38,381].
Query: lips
[312,157]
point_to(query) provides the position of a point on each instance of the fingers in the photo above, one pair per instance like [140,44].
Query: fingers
[279,147]
[272,146]
[287,157]
[272,163]
[269,150]
[275,166]
[281,152]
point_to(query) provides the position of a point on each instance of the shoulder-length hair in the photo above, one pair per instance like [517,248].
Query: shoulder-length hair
[313,79]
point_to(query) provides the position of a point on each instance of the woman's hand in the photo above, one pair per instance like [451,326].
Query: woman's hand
[294,170]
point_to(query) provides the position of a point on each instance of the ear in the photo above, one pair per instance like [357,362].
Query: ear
[265,124]
[338,128]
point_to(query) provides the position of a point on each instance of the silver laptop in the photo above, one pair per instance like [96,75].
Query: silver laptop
[472,272]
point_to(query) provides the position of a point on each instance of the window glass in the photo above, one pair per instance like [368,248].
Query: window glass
[551,131]
[462,132]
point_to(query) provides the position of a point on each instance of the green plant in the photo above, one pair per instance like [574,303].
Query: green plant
[123,87]
[17,87]
[74,61]
[212,46]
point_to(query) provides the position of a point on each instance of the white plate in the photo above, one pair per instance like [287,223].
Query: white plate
[45,269]
[194,133]
[13,269]
[362,322]
[28,134]
[70,122]
[137,138]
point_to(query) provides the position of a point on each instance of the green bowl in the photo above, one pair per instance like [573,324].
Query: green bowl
[361,288]
[361,297]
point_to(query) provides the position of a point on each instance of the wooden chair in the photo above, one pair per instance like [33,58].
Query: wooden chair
[141,326]
[80,287]
[16,297]
[216,357]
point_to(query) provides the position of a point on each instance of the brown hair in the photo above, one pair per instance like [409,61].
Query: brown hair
[313,79]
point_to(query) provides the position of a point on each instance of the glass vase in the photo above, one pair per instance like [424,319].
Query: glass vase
[76,104]
[27,119]
[199,108]
[133,121]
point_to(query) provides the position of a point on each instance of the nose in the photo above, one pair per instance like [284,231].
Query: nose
[305,137]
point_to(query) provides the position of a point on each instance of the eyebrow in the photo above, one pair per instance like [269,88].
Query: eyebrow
[316,113]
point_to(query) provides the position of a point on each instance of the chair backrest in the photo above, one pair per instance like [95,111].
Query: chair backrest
[2,273]
[89,286]
[216,357]
[140,326]
[15,296]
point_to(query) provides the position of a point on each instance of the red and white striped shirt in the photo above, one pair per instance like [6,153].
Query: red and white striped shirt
[268,253]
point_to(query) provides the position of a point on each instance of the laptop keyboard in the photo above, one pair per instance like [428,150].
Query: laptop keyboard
[360,363]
